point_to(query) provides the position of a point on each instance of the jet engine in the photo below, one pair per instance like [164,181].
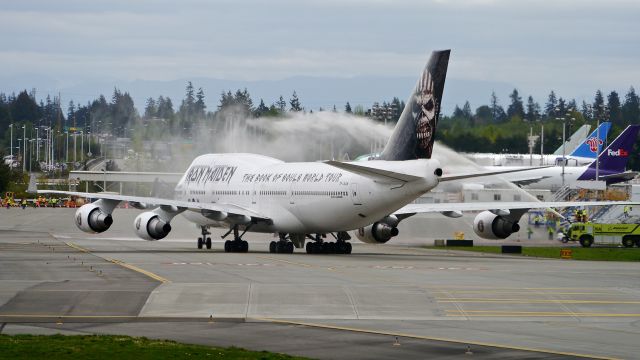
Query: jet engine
[150,226]
[94,217]
[379,232]
[495,227]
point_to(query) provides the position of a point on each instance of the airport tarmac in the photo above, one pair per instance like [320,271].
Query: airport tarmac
[54,278]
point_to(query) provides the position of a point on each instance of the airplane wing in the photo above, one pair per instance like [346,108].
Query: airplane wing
[529,181]
[412,209]
[193,206]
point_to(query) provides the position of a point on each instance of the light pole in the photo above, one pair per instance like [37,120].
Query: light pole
[11,136]
[24,150]
[89,154]
[564,148]
[66,147]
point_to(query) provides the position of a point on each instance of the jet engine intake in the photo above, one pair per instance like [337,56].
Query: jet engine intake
[494,227]
[150,226]
[377,233]
[93,218]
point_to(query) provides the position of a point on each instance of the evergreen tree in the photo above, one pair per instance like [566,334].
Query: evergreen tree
[497,112]
[150,108]
[295,103]
[165,108]
[457,113]
[516,108]
[281,104]
[598,106]
[347,108]
[261,110]
[199,105]
[533,110]
[615,112]
[550,106]
[24,108]
[71,111]
[561,108]
[631,107]
[466,111]
[586,111]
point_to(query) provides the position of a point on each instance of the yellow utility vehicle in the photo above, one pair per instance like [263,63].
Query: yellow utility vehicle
[586,233]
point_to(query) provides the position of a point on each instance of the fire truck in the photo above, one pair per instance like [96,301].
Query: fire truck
[587,233]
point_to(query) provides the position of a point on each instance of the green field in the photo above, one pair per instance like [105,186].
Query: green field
[117,347]
[578,253]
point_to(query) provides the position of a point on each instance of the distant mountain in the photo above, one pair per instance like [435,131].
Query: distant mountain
[314,92]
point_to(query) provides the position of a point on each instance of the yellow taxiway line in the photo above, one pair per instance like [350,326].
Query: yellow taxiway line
[123,264]
[141,271]
[533,301]
[498,313]
[432,338]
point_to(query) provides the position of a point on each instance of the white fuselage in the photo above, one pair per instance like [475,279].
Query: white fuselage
[301,197]
[488,159]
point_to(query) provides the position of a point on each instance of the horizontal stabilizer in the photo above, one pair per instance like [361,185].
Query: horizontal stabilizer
[623,176]
[372,172]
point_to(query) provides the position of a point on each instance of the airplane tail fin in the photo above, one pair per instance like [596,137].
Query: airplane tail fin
[413,136]
[614,159]
[592,145]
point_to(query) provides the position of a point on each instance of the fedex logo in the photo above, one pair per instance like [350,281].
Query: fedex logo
[593,143]
[619,152]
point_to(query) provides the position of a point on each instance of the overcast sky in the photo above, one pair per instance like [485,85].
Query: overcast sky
[573,46]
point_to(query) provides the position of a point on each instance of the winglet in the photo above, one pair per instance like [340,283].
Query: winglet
[33,185]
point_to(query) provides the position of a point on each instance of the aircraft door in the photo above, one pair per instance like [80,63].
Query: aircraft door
[355,195]
[292,198]
[254,196]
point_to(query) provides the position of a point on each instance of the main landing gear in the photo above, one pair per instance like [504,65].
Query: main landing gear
[319,246]
[282,246]
[237,244]
[204,240]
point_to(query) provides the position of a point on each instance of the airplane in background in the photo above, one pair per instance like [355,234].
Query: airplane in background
[310,200]
[584,153]
[611,166]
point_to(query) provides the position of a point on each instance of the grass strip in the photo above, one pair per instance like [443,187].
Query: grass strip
[117,347]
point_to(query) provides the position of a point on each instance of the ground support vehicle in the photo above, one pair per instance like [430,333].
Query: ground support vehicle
[589,233]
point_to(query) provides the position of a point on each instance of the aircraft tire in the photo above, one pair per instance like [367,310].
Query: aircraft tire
[200,243]
[208,243]
[244,246]
[272,247]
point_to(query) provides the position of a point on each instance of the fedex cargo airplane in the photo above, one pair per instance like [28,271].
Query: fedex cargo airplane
[316,201]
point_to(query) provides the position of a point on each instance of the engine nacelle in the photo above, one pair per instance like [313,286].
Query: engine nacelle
[495,227]
[377,233]
[93,218]
[150,226]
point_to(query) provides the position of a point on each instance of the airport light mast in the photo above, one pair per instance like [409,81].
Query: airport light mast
[11,148]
